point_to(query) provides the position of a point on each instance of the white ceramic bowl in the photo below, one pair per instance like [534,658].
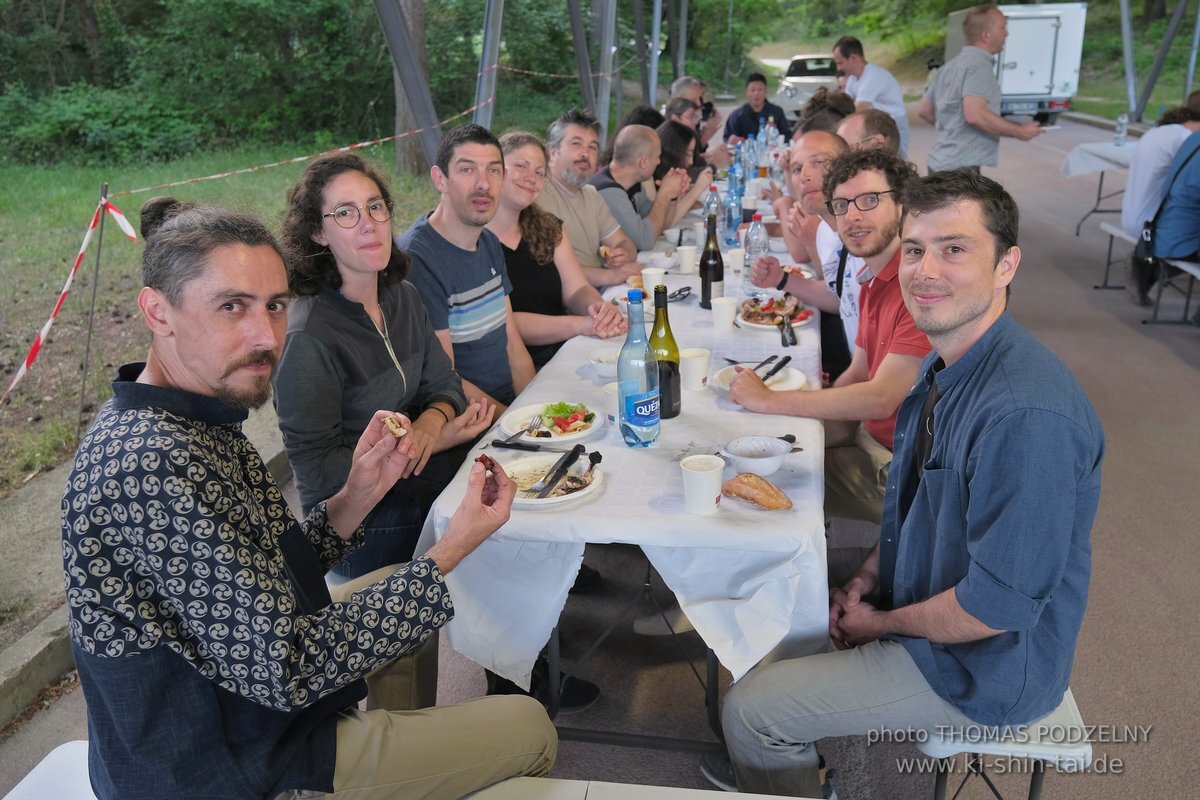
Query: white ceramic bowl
[761,455]
[777,245]
[662,260]
[605,362]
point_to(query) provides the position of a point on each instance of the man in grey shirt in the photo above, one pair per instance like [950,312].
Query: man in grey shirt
[636,154]
[964,100]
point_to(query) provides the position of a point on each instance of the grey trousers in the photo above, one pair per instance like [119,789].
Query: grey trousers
[773,716]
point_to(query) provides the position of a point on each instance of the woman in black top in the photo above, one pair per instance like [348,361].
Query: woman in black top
[679,144]
[551,299]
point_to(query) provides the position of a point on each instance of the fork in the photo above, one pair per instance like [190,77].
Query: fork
[534,424]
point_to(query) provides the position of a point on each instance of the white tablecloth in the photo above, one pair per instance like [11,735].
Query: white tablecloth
[752,582]
[1092,157]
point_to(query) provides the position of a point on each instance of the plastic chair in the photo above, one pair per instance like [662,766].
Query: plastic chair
[1058,738]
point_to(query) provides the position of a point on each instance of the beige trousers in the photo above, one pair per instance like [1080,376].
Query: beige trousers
[442,752]
[856,471]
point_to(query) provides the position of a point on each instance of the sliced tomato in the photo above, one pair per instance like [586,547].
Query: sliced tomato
[576,417]
[770,304]
[804,314]
[561,423]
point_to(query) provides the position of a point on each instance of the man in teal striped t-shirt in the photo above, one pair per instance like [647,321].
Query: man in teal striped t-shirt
[458,268]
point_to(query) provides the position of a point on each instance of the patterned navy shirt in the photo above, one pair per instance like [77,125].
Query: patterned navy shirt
[213,662]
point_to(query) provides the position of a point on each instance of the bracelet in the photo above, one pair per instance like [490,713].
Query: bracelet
[443,413]
[783,281]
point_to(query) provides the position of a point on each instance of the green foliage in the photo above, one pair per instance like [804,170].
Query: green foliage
[718,43]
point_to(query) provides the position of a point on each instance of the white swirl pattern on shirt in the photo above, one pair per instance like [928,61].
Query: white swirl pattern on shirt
[170,538]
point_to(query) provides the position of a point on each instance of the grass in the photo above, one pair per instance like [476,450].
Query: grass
[44,213]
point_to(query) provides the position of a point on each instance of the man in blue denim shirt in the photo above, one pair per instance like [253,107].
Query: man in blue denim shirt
[968,611]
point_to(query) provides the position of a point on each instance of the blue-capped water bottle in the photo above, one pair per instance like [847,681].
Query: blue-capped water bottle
[732,220]
[736,173]
[637,381]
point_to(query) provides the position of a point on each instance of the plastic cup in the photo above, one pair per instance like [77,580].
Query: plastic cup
[702,483]
[611,400]
[735,259]
[699,233]
[687,258]
[693,368]
[651,277]
[724,309]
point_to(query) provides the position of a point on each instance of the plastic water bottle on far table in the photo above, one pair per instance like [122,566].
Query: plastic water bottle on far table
[712,203]
[777,174]
[1122,130]
[733,220]
[757,245]
[736,173]
[637,381]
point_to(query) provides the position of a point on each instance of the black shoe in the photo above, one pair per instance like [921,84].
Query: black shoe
[576,693]
[587,581]
[1138,280]
[718,770]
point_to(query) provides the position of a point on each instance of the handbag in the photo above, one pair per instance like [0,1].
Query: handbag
[1143,249]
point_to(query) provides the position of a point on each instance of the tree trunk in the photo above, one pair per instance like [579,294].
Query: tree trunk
[91,38]
[1154,9]
[410,157]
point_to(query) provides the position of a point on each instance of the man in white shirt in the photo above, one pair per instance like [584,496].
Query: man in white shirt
[871,85]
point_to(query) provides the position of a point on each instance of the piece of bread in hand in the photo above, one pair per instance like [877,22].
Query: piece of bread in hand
[394,427]
[757,490]
[604,251]
[636,281]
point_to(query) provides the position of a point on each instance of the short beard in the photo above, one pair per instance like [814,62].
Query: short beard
[248,399]
[885,242]
[575,179]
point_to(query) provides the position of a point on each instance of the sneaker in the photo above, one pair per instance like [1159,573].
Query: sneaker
[718,770]
[587,581]
[654,625]
[576,694]
[827,790]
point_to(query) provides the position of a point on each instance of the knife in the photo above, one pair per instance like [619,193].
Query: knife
[783,338]
[558,470]
[763,363]
[782,363]
[789,330]
[515,445]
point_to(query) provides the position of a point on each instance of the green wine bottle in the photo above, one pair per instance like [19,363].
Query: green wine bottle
[662,344]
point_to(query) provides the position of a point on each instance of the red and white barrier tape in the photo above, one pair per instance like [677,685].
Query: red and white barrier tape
[31,356]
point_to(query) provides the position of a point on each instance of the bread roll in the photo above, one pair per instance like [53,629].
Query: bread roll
[757,490]
[636,282]
[394,427]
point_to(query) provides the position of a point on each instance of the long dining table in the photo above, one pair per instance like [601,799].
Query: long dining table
[752,582]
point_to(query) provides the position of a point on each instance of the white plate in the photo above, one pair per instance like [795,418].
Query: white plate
[517,419]
[759,326]
[785,380]
[533,467]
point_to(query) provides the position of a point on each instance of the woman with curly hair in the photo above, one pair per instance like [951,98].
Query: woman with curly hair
[551,298]
[358,341]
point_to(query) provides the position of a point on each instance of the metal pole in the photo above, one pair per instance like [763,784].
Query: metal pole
[485,84]
[655,38]
[1160,58]
[1127,48]
[87,348]
[608,24]
[639,27]
[1191,72]
[681,50]
[583,62]
[395,30]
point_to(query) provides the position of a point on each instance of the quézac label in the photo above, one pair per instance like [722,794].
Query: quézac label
[642,409]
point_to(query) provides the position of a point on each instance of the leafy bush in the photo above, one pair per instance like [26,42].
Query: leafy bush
[100,125]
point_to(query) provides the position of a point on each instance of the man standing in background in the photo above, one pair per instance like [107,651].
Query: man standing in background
[964,100]
[871,85]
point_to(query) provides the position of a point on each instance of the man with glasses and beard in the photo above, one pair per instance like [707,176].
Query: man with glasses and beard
[860,408]
[211,654]
[607,254]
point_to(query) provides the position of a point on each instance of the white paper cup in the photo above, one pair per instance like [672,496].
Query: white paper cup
[611,400]
[693,368]
[735,259]
[724,309]
[687,258]
[699,233]
[702,483]
[651,277]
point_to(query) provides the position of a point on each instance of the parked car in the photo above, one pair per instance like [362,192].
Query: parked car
[805,74]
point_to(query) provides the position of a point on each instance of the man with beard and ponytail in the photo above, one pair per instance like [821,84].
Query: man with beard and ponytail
[607,254]
[860,408]
[214,661]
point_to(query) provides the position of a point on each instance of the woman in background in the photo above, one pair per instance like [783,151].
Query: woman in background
[552,300]
[358,341]
[679,143]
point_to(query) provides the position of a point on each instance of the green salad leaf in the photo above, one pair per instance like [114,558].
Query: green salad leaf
[564,410]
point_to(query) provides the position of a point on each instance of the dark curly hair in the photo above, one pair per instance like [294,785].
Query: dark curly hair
[540,230]
[897,171]
[824,110]
[311,265]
